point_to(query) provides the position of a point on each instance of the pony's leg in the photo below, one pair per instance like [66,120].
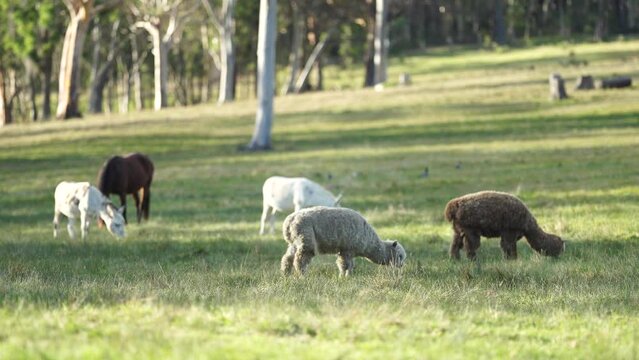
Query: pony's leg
[287,259]
[265,214]
[123,203]
[56,222]
[84,224]
[71,228]
[138,204]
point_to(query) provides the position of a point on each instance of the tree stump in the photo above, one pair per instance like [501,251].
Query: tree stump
[616,82]
[585,82]
[404,79]
[557,87]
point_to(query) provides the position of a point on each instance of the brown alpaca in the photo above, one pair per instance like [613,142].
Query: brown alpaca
[496,214]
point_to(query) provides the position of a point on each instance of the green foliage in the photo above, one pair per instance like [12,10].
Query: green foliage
[197,281]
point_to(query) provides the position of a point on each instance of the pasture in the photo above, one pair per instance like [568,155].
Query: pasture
[197,281]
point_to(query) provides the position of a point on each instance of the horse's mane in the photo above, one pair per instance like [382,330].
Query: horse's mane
[108,172]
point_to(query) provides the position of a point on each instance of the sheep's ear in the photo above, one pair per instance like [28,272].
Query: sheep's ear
[338,199]
[394,243]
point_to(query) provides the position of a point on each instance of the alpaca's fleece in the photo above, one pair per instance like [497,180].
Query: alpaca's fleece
[282,194]
[496,214]
[341,231]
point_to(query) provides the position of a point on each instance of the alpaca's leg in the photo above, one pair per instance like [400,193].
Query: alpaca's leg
[123,203]
[287,259]
[84,224]
[345,264]
[138,204]
[71,228]
[456,245]
[56,222]
[471,243]
[509,245]
[303,258]
[266,210]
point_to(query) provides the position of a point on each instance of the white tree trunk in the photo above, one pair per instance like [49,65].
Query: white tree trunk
[312,59]
[69,81]
[160,69]
[265,75]
[5,117]
[381,43]
[295,57]
[227,53]
[135,74]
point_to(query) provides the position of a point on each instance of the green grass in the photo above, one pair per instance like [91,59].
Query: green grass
[198,282]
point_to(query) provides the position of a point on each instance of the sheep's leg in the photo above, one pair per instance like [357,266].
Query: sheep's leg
[84,224]
[56,222]
[456,245]
[345,264]
[509,245]
[287,259]
[70,228]
[471,243]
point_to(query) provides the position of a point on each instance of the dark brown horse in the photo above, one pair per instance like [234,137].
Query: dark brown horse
[131,174]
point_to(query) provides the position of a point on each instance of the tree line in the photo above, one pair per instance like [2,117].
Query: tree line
[120,55]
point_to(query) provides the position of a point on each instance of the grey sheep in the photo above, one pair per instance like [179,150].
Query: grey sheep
[341,231]
[496,214]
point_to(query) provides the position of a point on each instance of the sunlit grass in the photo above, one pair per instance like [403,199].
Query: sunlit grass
[197,281]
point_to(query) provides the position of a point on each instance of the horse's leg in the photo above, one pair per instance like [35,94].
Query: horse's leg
[56,222]
[123,203]
[138,204]
[146,202]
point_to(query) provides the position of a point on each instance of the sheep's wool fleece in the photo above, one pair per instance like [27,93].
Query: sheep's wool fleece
[331,230]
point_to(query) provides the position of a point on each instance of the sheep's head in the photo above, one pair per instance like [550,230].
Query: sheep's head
[396,253]
[553,245]
[114,220]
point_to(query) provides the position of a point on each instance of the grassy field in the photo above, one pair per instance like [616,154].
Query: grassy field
[197,281]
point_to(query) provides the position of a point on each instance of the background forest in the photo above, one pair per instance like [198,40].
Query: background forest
[69,57]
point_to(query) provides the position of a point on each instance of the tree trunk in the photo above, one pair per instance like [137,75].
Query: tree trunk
[297,41]
[31,80]
[125,88]
[500,22]
[100,74]
[227,53]
[557,87]
[381,43]
[69,82]
[160,71]
[312,59]
[47,71]
[369,57]
[5,114]
[261,139]
[135,73]
[601,27]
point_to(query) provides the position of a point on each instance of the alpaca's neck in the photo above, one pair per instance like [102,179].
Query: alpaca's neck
[377,253]
[536,236]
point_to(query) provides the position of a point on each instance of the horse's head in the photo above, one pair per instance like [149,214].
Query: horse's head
[113,219]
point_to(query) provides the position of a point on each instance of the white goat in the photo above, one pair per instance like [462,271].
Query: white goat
[285,194]
[81,200]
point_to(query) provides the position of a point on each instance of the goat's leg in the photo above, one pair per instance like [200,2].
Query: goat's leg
[84,224]
[265,214]
[272,221]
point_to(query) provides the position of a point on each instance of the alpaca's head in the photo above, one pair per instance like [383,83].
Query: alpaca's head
[113,220]
[552,245]
[396,254]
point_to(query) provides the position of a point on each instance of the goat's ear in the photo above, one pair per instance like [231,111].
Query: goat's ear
[338,199]
[121,209]
[394,243]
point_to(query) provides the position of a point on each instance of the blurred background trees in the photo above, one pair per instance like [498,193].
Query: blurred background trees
[121,55]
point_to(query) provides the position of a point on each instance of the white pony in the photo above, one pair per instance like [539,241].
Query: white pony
[284,194]
[81,200]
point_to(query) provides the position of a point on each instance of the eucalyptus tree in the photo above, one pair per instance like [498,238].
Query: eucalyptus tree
[223,21]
